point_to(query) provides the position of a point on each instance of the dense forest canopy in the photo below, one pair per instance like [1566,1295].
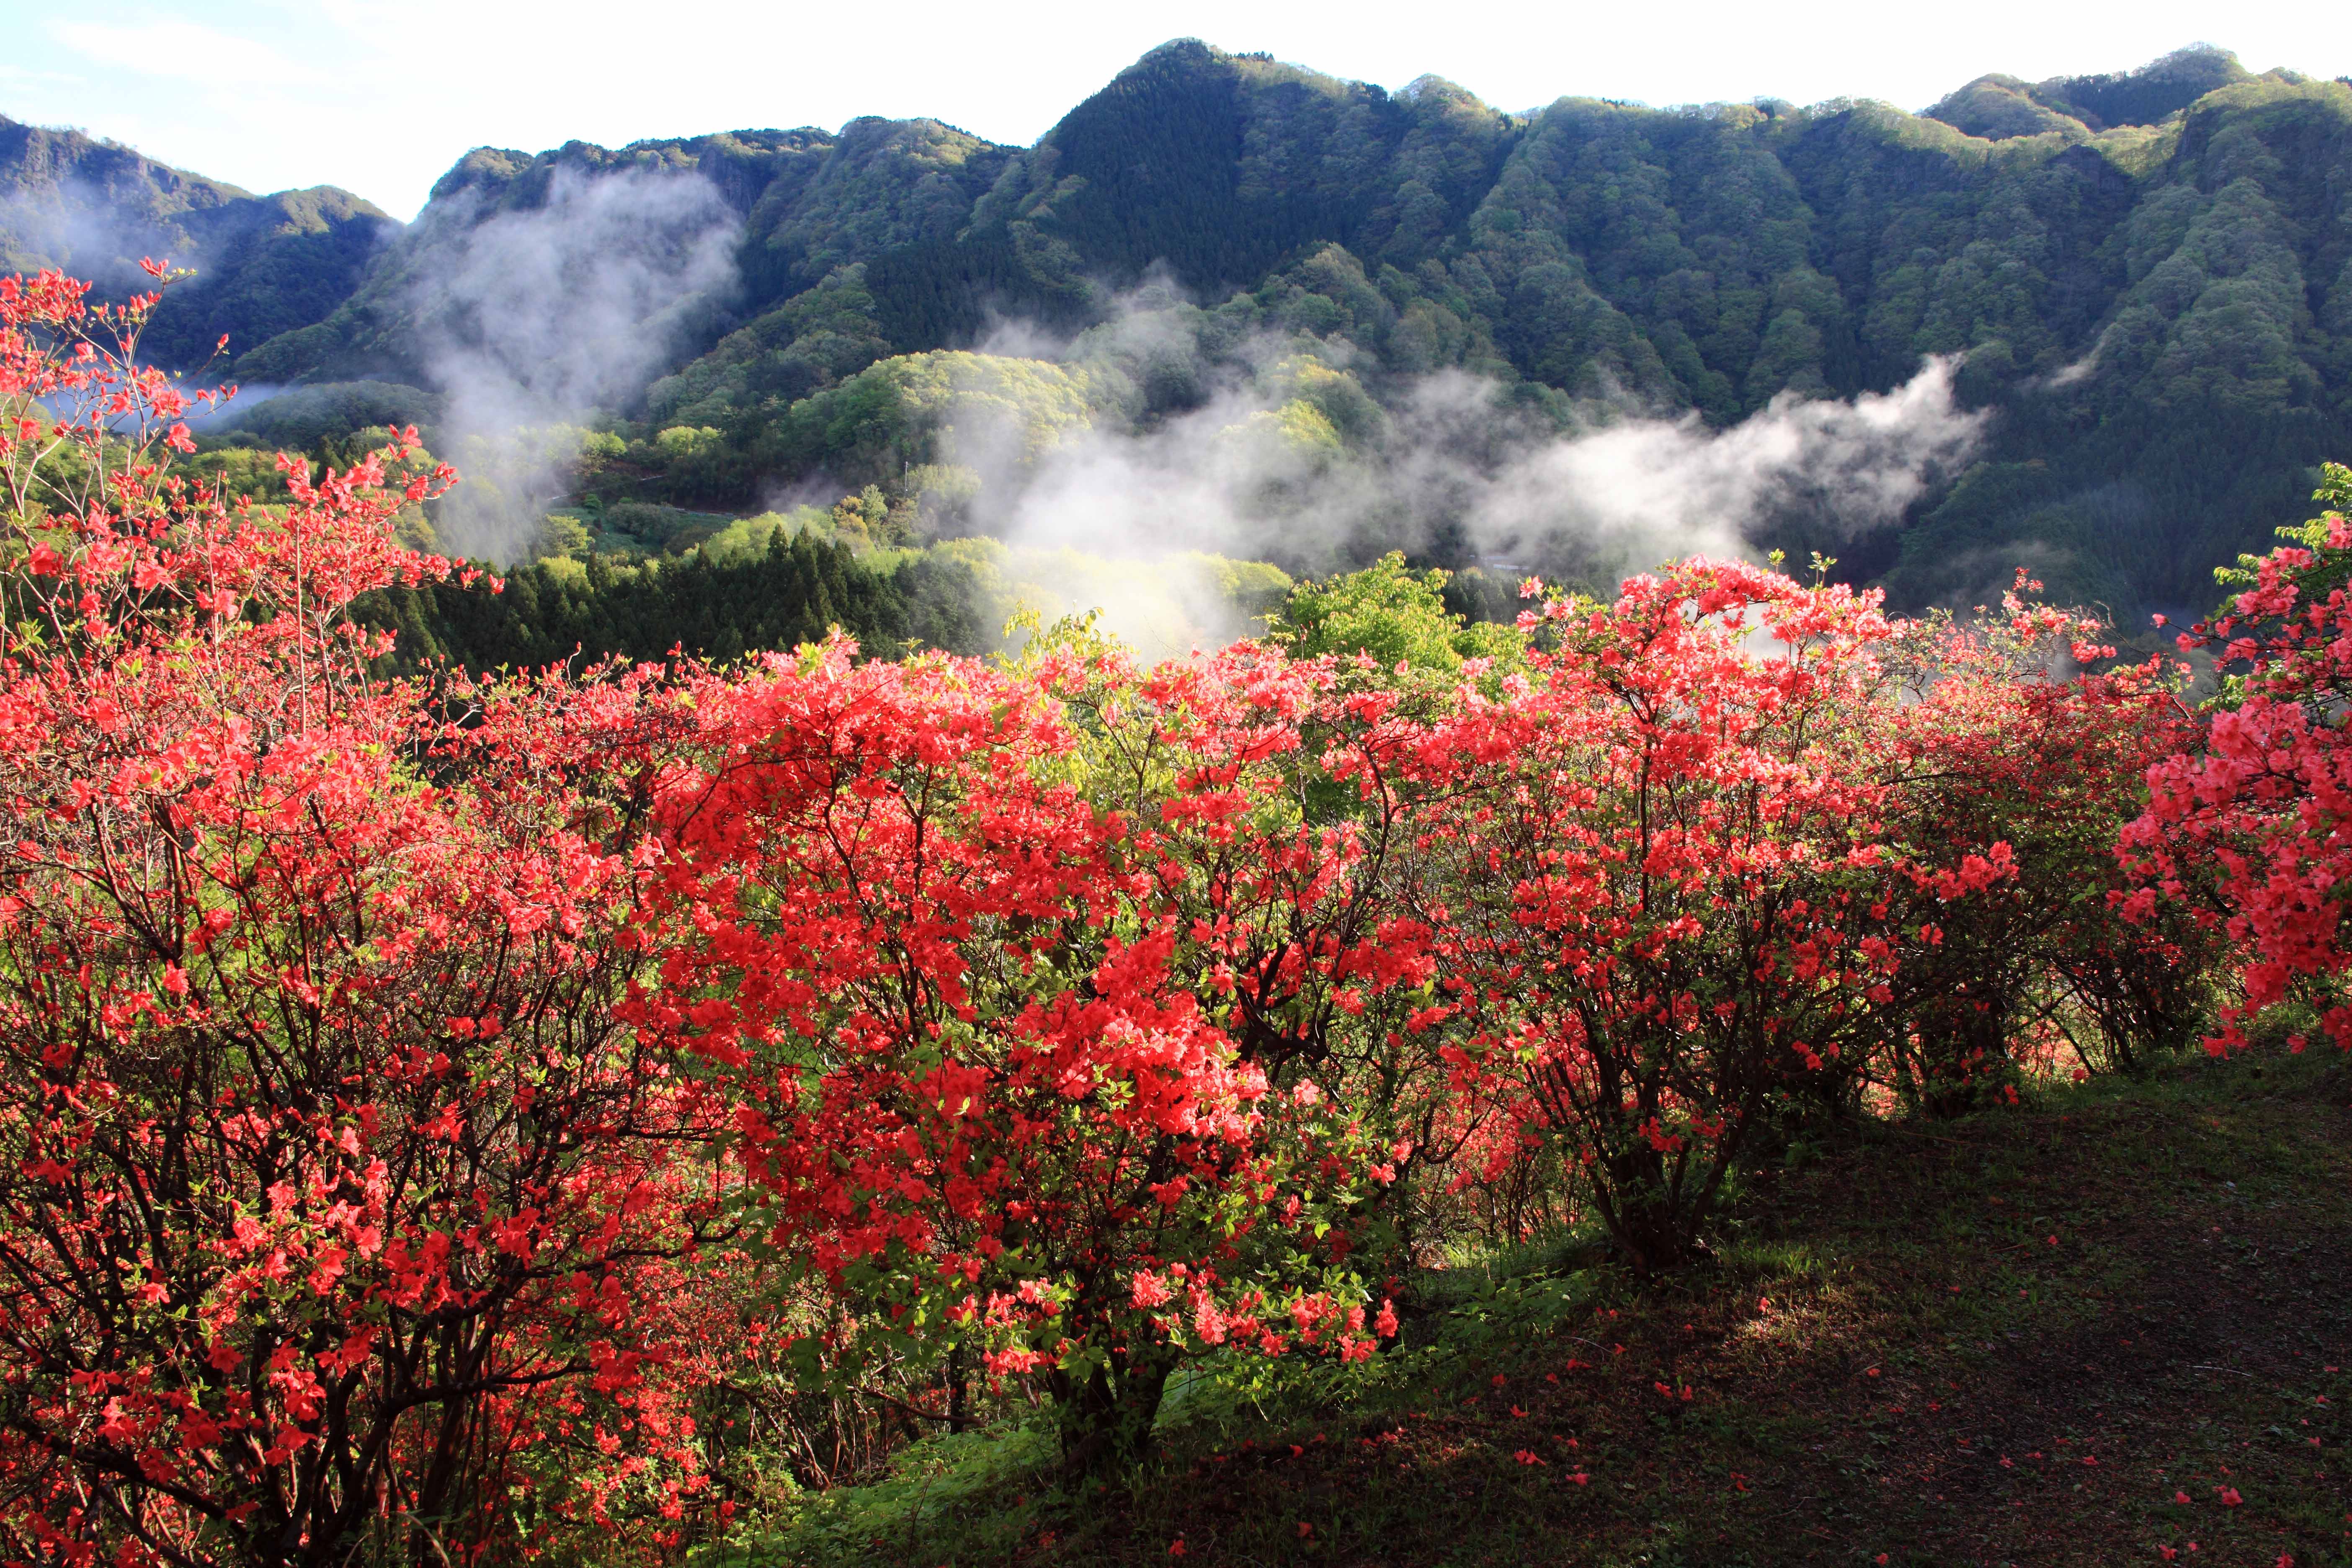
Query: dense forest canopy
[1321,320]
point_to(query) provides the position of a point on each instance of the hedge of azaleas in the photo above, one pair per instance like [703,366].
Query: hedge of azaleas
[444,1117]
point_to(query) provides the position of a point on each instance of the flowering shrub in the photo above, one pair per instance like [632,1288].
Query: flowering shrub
[2251,829]
[331,1155]
[2002,759]
[1665,878]
[1009,965]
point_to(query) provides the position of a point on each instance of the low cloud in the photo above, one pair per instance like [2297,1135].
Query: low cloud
[1283,456]
[534,321]
[80,229]
[2079,370]
[1640,492]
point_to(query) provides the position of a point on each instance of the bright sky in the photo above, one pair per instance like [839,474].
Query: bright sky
[381,96]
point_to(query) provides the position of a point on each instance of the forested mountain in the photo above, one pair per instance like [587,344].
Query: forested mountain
[266,265]
[2148,275]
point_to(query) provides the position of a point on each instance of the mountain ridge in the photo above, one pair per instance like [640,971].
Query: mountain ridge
[2146,278]
[93,207]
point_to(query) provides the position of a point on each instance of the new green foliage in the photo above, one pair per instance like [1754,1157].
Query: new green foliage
[1398,618]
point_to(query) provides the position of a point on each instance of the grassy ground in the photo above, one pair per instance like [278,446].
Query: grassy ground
[2021,1338]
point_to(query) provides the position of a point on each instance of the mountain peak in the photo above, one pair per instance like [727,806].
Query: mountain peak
[1998,106]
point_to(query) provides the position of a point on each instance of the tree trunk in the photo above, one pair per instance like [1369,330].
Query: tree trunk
[959,1382]
[1642,1214]
[1106,1417]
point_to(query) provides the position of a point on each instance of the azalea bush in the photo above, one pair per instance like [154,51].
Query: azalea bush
[2250,831]
[1661,888]
[1015,970]
[2019,738]
[331,1163]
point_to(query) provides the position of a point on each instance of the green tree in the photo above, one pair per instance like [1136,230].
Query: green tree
[1395,615]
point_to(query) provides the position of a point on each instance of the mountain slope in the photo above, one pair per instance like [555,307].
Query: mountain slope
[2158,314]
[265,265]
[2146,278]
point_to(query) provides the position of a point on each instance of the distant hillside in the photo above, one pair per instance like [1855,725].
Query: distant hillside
[266,265]
[2149,274]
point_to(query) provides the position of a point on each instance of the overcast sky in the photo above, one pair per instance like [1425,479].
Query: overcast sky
[381,96]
